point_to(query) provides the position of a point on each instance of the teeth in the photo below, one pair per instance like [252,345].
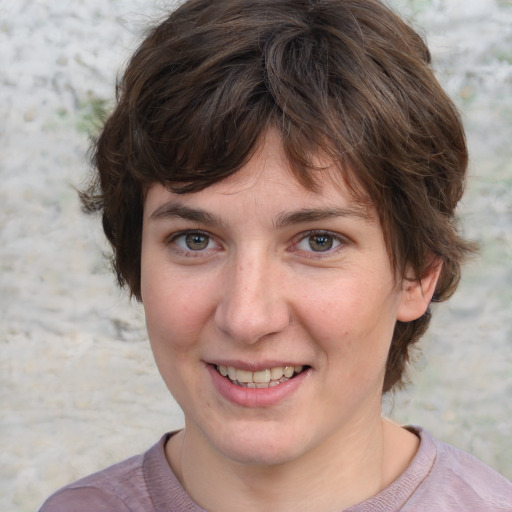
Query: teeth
[289,371]
[261,377]
[276,373]
[243,376]
[269,377]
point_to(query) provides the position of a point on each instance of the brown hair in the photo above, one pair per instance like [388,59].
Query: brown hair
[343,78]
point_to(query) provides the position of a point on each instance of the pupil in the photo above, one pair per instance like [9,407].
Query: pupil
[196,241]
[320,242]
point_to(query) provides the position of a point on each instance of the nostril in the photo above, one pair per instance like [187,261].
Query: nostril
[251,304]
[251,325]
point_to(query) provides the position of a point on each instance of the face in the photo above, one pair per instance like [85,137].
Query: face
[270,309]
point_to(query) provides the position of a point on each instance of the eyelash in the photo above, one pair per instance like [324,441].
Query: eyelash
[338,242]
[174,238]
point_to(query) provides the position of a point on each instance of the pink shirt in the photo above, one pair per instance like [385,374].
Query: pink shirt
[440,478]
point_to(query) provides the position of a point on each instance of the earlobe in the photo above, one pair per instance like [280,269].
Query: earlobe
[417,294]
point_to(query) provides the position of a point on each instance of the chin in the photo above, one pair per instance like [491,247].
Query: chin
[261,445]
[260,454]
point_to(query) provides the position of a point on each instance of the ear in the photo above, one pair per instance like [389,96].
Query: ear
[417,294]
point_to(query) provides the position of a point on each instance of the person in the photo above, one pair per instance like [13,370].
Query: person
[278,182]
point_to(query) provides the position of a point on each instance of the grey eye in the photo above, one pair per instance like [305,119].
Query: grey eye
[197,241]
[320,243]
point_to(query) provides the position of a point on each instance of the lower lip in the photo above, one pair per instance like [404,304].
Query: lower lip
[255,397]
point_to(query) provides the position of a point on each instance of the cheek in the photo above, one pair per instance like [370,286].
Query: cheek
[343,308]
[176,309]
[352,321]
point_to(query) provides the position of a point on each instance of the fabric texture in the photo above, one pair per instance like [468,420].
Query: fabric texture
[440,478]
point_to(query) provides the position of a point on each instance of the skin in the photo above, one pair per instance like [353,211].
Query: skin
[248,282]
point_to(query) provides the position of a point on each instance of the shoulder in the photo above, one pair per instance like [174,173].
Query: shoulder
[83,499]
[472,478]
[458,481]
[119,487]
[141,483]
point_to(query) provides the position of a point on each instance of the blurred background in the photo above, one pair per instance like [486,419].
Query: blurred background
[78,386]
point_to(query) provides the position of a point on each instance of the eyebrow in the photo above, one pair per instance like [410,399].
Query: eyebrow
[316,214]
[173,209]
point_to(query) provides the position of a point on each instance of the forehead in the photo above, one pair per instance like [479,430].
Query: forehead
[268,185]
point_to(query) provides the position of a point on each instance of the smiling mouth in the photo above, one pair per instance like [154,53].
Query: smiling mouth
[267,378]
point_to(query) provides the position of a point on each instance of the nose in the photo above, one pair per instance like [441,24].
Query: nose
[252,304]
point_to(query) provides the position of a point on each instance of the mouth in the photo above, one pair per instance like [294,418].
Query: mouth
[266,378]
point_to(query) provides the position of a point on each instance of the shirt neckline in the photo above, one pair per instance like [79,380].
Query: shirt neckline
[166,491]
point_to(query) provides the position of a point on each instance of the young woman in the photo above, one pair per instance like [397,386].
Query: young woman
[278,182]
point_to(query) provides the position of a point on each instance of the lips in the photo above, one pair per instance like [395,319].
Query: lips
[242,388]
[266,378]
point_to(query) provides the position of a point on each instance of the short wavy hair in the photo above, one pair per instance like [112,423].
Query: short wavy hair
[347,79]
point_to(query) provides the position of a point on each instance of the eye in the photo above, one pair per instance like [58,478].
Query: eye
[193,241]
[318,242]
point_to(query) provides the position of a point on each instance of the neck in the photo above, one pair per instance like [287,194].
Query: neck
[344,470]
